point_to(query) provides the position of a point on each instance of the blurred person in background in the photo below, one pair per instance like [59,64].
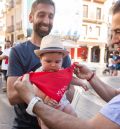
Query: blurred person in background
[5,58]
[0,60]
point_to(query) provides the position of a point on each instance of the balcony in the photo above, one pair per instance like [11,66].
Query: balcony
[93,20]
[19,25]
[99,1]
[10,29]
[18,1]
[10,4]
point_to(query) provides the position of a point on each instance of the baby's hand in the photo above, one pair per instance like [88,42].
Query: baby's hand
[79,82]
[50,102]
[83,85]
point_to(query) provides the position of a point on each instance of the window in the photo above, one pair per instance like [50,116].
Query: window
[85,10]
[98,13]
[84,30]
[97,31]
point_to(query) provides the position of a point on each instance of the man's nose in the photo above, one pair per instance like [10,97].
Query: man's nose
[115,38]
[46,20]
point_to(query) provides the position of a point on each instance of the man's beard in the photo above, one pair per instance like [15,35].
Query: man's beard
[41,33]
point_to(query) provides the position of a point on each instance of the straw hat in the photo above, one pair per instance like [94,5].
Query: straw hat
[51,43]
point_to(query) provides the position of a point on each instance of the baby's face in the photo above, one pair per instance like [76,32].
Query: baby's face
[51,62]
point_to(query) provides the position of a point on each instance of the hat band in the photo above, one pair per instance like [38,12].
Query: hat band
[52,48]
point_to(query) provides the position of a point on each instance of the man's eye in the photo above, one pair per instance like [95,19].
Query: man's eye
[117,30]
[51,16]
[48,61]
[57,62]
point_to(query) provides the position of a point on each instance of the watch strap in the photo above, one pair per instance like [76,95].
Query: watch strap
[31,105]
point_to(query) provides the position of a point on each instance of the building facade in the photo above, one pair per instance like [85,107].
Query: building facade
[18,27]
[94,33]
[88,29]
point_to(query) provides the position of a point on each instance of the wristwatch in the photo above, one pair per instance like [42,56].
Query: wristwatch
[31,105]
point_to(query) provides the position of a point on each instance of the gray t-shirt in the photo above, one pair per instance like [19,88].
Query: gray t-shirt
[112,110]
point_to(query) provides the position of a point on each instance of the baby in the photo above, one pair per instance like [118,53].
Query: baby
[51,54]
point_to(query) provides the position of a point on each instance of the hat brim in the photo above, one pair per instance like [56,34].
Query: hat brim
[39,52]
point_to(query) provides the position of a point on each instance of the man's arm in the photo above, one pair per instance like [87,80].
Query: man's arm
[14,71]
[56,119]
[3,57]
[12,94]
[103,90]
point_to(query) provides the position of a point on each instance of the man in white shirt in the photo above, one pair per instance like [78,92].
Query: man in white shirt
[4,57]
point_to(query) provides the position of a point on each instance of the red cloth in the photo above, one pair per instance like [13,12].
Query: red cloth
[6,60]
[53,84]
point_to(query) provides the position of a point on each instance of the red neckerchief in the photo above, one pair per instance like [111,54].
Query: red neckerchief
[53,84]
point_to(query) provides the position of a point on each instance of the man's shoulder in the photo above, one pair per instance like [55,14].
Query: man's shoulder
[22,45]
[23,48]
[112,110]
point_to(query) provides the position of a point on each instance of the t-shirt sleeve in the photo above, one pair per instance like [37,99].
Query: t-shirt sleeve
[14,67]
[112,110]
[66,62]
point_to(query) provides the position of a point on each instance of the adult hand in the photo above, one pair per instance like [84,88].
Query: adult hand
[82,71]
[24,88]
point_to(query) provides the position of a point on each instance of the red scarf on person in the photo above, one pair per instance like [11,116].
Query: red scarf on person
[53,84]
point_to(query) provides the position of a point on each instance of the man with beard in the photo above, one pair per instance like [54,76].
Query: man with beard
[22,60]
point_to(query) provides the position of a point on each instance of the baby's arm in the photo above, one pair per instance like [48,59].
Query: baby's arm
[47,100]
[38,92]
[79,82]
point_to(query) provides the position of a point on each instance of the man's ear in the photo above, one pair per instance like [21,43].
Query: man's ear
[31,18]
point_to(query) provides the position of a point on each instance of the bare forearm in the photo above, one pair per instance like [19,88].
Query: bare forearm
[103,90]
[3,57]
[56,119]
[14,98]
[12,94]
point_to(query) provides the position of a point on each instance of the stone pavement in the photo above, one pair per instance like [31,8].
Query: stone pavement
[87,104]
[6,110]
[6,113]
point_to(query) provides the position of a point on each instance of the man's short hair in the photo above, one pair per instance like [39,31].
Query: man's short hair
[116,7]
[36,2]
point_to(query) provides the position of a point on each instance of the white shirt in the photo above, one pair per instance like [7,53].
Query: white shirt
[6,52]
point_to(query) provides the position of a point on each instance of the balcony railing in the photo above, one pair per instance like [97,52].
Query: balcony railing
[19,25]
[10,4]
[100,1]
[18,1]
[10,29]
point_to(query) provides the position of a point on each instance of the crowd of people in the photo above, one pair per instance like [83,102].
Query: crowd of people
[31,105]
[114,63]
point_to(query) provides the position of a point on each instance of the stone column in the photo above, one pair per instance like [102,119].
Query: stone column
[89,54]
[102,54]
[75,54]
